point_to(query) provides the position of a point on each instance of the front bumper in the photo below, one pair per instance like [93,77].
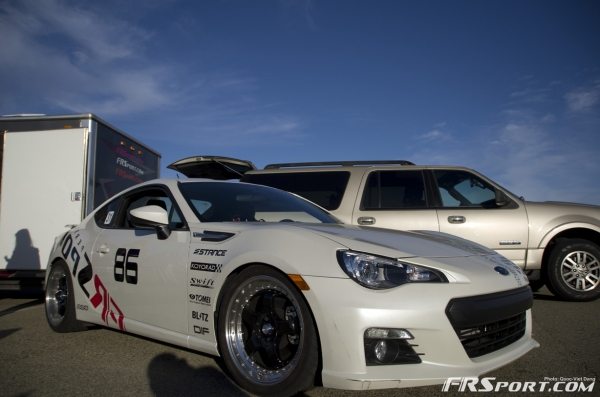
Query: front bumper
[344,310]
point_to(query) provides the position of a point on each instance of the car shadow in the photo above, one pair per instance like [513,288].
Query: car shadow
[173,376]
[25,305]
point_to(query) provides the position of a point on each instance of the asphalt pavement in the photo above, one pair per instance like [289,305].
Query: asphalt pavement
[35,361]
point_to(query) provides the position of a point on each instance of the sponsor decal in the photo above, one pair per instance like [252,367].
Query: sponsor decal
[109,217]
[202,282]
[73,251]
[200,316]
[209,252]
[206,267]
[130,166]
[202,299]
[549,384]
[201,330]
[110,309]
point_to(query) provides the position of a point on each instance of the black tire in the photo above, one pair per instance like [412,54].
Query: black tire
[536,285]
[266,333]
[573,270]
[60,302]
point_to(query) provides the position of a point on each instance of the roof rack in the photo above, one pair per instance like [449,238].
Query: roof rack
[338,164]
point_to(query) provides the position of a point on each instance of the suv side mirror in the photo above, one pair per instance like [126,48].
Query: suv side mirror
[502,199]
[151,216]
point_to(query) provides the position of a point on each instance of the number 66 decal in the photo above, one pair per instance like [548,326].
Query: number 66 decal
[125,268]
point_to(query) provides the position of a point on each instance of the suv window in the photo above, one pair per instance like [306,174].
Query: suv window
[390,190]
[323,188]
[463,189]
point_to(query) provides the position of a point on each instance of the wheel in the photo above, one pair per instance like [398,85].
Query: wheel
[573,270]
[266,334]
[60,303]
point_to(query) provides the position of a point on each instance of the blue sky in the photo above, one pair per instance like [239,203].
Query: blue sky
[510,88]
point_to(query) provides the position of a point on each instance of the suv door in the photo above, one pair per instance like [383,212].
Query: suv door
[395,199]
[472,208]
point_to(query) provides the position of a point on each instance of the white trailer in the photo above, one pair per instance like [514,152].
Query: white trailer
[55,170]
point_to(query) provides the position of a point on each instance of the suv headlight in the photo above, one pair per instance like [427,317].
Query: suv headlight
[378,272]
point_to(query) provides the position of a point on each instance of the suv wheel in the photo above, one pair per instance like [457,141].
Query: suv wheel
[573,270]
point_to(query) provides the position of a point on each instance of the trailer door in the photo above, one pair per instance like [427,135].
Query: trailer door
[42,182]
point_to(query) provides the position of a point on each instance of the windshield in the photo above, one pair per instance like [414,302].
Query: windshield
[241,202]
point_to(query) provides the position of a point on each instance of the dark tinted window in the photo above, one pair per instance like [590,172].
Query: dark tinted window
[241,202]
[389,190]
[323,188]
[106,216]
[120,163]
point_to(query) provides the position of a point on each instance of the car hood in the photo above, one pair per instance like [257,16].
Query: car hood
[399,244]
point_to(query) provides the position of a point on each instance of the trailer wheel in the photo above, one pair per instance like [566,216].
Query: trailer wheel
[60,302]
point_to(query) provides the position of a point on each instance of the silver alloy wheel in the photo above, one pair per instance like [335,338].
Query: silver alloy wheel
[57,295]
[263,327]
[580,270]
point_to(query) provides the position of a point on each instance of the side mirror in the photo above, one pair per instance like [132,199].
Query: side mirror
[153,217]
[502,199]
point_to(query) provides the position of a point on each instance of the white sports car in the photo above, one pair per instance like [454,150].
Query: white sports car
[284,293]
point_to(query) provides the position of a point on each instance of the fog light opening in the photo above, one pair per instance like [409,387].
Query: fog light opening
[385,346]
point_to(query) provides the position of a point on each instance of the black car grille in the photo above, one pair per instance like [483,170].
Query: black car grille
[487,323]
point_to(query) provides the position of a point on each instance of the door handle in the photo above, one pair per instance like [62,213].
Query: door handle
[456,219]
[103,249]
[366,220]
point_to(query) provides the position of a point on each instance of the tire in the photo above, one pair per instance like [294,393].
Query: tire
[266,334]
[573,270]
[536,285]
[60,302]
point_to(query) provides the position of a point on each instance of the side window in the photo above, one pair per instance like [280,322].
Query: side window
[323,188]
[463,189]
[153,196]
[106,217]
[390,190]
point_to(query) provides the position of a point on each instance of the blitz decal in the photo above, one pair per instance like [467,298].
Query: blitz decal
[202,299]
[200,316]
[202,282]
[201,330]
[207,252]
[206,267]
[101,298]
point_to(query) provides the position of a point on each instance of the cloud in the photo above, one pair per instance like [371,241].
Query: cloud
[63,56]
[78,60]
[436,134]
[583,99]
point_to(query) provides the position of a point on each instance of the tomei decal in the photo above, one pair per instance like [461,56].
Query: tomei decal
[73,251]
[206,267]
[207,252]
[202,282]
[202,299]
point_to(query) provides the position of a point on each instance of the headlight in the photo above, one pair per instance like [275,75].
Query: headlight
[378,272]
